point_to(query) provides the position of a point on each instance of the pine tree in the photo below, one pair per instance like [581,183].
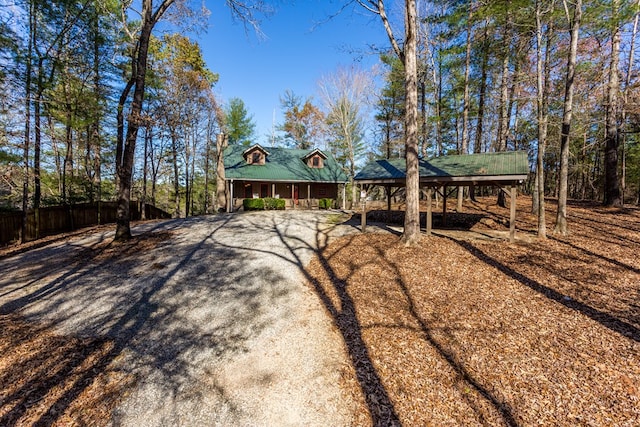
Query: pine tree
[239,125]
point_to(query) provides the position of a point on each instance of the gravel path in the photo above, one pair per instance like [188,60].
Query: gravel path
[213,320]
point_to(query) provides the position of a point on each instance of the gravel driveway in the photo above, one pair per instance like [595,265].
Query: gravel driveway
[213,320]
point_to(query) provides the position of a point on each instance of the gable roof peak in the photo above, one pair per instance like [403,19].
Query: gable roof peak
[314,152]
[253,148]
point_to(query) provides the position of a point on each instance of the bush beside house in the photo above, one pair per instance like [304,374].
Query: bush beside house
[267,203]
[253,204]
[271,203]
[325,203]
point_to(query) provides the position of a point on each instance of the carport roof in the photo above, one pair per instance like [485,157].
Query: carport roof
[489,168]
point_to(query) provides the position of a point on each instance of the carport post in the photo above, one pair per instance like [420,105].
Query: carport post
[429,219]
[444,206]
[363,219]
[512,215]
[388,191]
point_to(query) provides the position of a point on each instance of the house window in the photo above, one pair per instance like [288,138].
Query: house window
[256,157]
[315,161]
[248,191]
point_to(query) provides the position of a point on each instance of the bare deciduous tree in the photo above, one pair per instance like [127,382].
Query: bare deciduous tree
[561,217]
[345,95]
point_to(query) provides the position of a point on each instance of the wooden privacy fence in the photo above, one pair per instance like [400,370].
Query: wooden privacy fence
[59,219]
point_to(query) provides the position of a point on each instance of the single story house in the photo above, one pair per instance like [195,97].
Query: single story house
[301,177]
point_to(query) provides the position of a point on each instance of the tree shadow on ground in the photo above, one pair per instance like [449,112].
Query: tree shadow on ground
[605,318]
[479,396]
[454,220]
[334,293]
[343,315]
[143,301]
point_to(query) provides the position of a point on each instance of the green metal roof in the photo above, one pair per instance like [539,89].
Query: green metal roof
[282,164]
[508,165]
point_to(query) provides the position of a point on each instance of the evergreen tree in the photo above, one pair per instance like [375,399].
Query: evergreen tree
[390,109]
[239,125]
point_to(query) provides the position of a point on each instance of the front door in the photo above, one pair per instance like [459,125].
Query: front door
[295,194]
[264,190]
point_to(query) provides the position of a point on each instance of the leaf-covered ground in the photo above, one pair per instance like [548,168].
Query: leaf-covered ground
[48,379]
[466,331]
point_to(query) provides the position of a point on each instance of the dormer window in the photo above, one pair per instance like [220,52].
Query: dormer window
[315,159]
[255,155]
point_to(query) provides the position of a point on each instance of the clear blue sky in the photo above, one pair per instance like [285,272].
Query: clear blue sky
[301,45]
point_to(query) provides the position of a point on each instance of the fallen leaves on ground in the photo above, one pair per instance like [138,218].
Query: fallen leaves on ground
[50,379]
[53,380]
[464,331]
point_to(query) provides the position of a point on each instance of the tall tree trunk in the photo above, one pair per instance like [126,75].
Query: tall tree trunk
[466,100]
[207,161]
[27,121]
[411,233]
[438,85]
[37,146]
[424,137]
[126,149]
[484,66]
[503,119]
[408,55]
[542,123]
[192,172]
[221,188]
[145,167]
[96,137]
[612,138]
[503,116]
[561,216]
[625,96]
[176,174]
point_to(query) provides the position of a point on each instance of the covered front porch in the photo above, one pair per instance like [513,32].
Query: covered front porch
[297,195]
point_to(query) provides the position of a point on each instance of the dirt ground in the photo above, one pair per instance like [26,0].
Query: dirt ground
[467,329]
[201,322]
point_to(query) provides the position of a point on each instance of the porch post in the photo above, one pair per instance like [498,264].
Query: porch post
[309,196]
[429,217]
[230,207]
[273,190]
[344,196]
[363,218]
[512,215]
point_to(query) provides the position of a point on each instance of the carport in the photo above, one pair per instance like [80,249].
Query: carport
[444,175]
